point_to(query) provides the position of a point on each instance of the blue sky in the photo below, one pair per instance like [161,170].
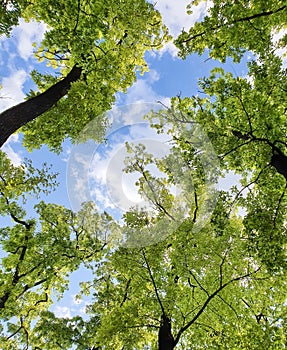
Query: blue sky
[168,76]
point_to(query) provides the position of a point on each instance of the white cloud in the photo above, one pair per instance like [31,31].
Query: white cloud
[26,33]
[11,94]
[130,113]
[169,48]
[153,75]
[62,312]
[83,310]
[176,18]
[95,172]
[109,185]
[4,49]
[142,91]
[23,36]
[281,52]
[140,99]
[77,179]
[12,89]
[8,149]
[65,155]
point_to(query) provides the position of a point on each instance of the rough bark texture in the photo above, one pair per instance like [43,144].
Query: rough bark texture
[13,118]
[279,161]
[165,337]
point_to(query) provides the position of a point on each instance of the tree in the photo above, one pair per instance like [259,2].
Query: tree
[246,118]
[194,288]
[245,122]
[173,283]
[39,253]
[95,48]
[187,293]
[231,29]
[11,10]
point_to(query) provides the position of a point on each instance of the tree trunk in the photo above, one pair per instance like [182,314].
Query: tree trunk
[13,118]
[279,161]
[165,337]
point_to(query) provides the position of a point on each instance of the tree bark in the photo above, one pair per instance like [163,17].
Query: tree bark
[165,337]
[13,118]
[279,161]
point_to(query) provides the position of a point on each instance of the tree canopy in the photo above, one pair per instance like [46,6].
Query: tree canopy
[231,29]
[161,279]
[95,48]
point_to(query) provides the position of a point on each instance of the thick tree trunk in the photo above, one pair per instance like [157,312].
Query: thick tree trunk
[15,117]
[279,161]
[165,337]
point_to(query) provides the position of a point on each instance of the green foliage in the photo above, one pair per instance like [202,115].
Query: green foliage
[231,28]
[10,12]
[245,120]
[184,275]
[108,41]
[219,277]
[39,252]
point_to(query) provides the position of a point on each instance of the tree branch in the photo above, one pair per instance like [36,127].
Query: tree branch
[243,19]
[15,117]
[207,301]
[153,282]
